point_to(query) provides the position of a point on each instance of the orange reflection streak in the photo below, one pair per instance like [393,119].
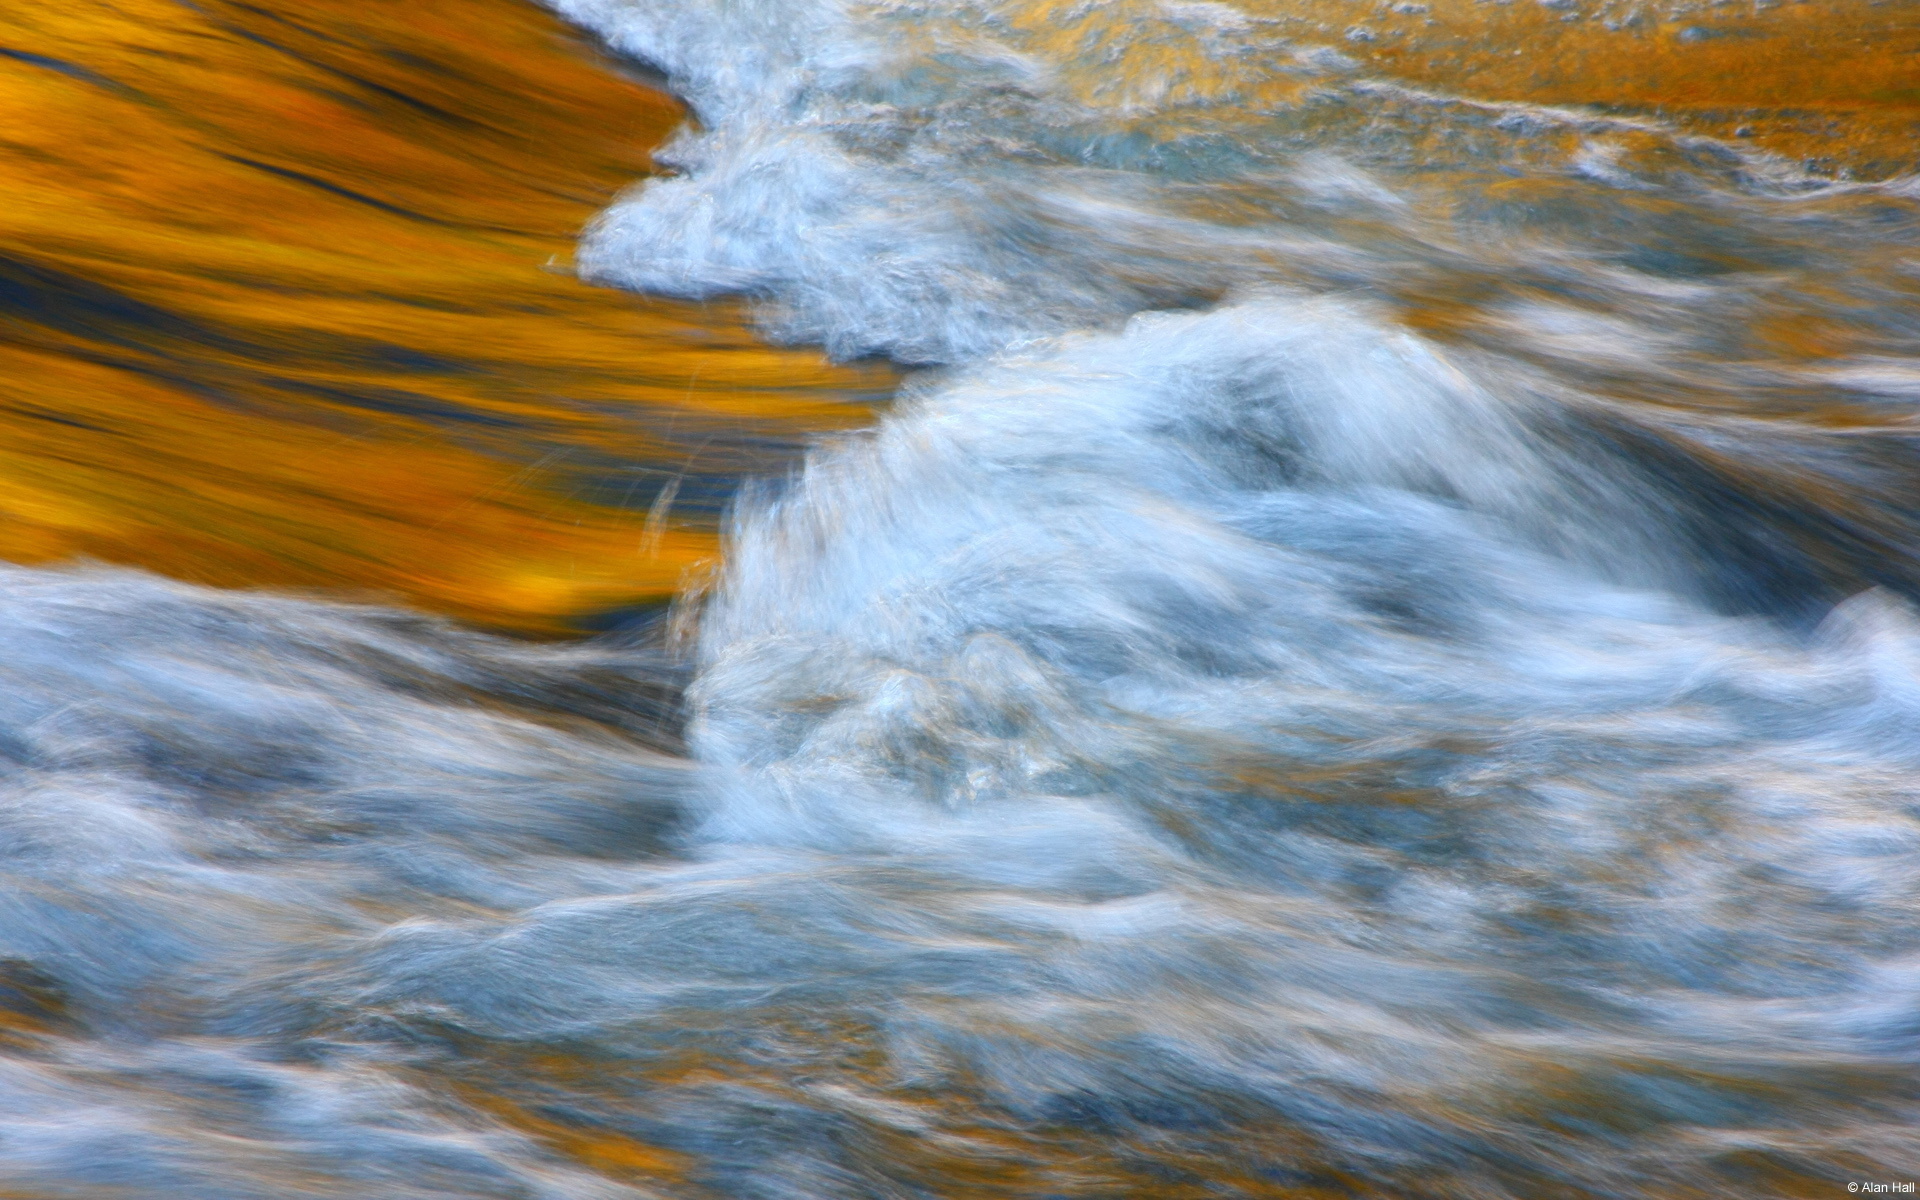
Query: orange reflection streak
[951,1143]
[1832,85]
[272,311]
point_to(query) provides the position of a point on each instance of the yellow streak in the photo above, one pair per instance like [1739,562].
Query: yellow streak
[1831,84]
[182,160]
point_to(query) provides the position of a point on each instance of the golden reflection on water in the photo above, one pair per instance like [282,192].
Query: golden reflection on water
[273,312]
[272,308]
[1830,85]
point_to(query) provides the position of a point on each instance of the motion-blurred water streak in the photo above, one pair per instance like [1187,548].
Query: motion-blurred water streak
[273,311]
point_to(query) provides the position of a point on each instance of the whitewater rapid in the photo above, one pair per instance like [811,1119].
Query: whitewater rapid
[1216,736]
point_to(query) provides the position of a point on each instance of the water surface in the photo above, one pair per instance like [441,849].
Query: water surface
[1372,654]
[288,302]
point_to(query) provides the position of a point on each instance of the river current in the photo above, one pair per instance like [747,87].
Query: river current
[1372,651]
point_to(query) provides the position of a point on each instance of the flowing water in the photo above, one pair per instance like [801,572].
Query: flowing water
[1371,652]
[284,300]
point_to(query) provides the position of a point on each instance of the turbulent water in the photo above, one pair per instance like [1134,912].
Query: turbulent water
[1374,656]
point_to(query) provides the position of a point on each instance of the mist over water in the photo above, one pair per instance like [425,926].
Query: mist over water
[1374,655]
